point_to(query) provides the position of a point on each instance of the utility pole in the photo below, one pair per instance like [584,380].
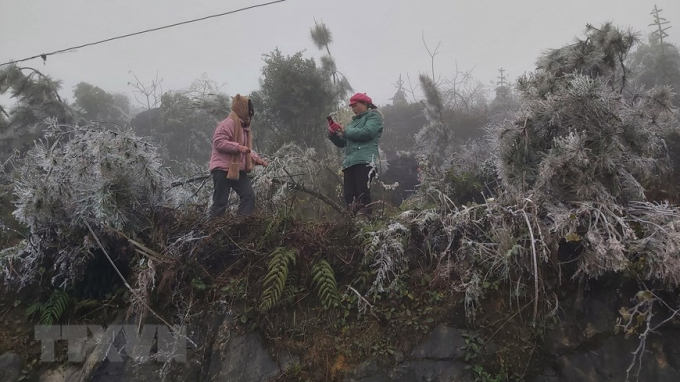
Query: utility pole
[659,22]
[501,78]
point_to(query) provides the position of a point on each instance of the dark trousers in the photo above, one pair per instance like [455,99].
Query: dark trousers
[357,188]
[223,187]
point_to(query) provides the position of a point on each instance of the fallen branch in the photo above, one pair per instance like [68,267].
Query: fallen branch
[190,180]
[534,260]
[299,187]
[292,184]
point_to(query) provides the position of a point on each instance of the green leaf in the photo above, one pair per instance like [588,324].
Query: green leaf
[572,236]
[277,276]
[34,308]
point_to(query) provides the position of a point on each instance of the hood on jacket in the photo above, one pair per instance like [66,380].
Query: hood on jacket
[243,107]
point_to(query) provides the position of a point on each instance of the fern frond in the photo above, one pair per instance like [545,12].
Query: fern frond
[275,280]
[291,288]
[34,309]
[55,307]
[323,280]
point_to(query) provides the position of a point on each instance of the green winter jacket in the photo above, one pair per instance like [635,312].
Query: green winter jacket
[360,139]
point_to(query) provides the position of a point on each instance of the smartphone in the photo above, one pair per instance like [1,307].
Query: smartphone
[330,119]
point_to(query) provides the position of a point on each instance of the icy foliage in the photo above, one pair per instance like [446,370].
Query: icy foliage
[475,246]
[79,176]
[585,143]
[456,111]
[577,138]
[384,249]
[106,178]
[658,248]
[185,196]
[643,236]
[291,165]
[574,169]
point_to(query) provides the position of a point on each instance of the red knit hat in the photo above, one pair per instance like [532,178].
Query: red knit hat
[360,97]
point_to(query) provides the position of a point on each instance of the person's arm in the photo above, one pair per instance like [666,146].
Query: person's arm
[222,139]
[337,140]
[258,160]
[370,129]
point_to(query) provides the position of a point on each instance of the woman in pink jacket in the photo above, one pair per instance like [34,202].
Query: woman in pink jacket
[233,158]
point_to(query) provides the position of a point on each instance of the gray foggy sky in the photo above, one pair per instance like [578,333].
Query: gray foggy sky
[374,40]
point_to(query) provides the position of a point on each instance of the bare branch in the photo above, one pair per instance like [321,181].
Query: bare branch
[411,89]
[152,92]
[292,184]
[299,187]
[4,112]
[432,55]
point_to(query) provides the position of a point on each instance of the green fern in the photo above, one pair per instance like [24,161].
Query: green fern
[279,262]
[323,280]
[291,288]
[55,307]
[34,309]
[271,227]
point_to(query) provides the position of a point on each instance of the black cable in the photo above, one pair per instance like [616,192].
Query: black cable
[44,55]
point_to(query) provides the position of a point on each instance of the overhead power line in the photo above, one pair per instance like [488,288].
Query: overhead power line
[44,55]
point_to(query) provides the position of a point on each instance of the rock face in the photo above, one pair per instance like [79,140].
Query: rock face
[592,355]
[10,367]
[413,370]
[612,357]
[221,356]
[444,343]
[245,359]
[431,371]
[438,358]
[583,349]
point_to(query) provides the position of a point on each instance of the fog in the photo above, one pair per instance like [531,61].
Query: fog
[297,237]
[374,41]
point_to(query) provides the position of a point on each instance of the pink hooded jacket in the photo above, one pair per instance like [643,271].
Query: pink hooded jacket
[223,146]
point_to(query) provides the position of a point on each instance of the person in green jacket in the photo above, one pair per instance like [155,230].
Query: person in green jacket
[360,142]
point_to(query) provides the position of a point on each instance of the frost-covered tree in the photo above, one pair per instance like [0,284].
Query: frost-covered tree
[187,124]
[76,179]
[583,148]
[575,167]
[577,137]
[96,104]
[402,121]
[184,123]
[456,112]
[37,98]
[652,68]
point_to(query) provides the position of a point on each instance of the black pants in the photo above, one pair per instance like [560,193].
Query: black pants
[223,187]
[357,188]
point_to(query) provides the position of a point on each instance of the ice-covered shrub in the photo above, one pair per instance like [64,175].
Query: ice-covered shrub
[76,179]
[578,137]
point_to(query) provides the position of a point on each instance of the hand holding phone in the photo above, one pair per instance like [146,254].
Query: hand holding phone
[333,127]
